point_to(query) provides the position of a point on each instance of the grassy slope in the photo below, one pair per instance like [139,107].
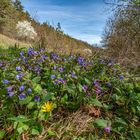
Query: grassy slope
[5,42]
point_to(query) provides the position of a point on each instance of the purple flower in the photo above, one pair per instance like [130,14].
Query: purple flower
[19,76]
[56,82]
[5,81]
[98,90]
[42,49]
[95,83]
[54,67]
[36,98]
[53,77]
[80,60]
[21,88]
[29,67]
[1,64]
[22,96]
[121,77]
[60,69]
[60,80]
[10,94]
[30,51]
[89,94]
[85,88]
[84,64]
[40,60]
[18,68]
[29,90]
[35,52]
[9,88]
[73,75]
[107,129]
[108,85]
[21,53]
[54,56]
[43,56]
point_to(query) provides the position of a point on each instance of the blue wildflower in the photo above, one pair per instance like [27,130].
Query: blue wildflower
[56,82]
[21,53]
[21,88]
[54,67]
[84,64]
[35,52]
[107,129]
[30,51]
[43,56]
[60,69]
[53,77]
[5,81]
[98,90]
[60,80]
[85,88]
[54,56]
[9,88]
[36,98]
[10,94]
[121,77]
[29,67]
[73,75]
[22,96]
[1,64]
[18,68]
[108,84]
[95,83]
[40,60]
[19,76]
[80,60]
[29,90]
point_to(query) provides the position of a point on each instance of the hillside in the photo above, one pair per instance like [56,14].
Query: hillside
[50,37]
[5,42]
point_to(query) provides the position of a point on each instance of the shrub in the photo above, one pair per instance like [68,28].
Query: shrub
[25,30]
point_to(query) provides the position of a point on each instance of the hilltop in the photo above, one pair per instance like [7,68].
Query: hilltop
[50,37]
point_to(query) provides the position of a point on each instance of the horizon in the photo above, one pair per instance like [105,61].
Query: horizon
[80,19]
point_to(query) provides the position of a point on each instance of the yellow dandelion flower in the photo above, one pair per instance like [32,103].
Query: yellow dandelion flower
[47,107]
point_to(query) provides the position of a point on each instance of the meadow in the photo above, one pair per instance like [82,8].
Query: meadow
[45,95]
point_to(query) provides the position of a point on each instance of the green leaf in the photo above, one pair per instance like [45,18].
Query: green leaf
[2,133]
[96,102]
[115,97]
[51,133]
[48,97]
[31,105]
[37,88]
[80,87]
[19,118]
[64,98]
[22,127]
[36,79]
[101,123]
[26,100]
[87,81]
[35,132]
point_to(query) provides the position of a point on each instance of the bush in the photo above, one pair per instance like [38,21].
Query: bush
[25,30]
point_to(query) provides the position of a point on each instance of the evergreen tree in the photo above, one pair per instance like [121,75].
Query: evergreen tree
[18,5]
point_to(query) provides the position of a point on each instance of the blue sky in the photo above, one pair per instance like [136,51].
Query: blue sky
[81,19]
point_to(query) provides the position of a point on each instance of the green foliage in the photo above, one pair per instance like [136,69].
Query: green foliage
[66,83]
